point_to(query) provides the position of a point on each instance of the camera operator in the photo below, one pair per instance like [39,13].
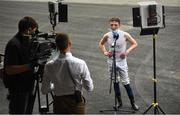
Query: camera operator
[121,38]
[69,75]
[18,68]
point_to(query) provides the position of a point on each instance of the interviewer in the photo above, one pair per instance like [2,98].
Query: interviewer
[69,75]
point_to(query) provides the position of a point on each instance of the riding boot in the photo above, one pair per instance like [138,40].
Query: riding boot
[131,97]
[118,93]
[134,106]
[119,101]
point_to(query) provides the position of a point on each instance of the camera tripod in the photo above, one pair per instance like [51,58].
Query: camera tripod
[115,109]
[155,104]
[38,78]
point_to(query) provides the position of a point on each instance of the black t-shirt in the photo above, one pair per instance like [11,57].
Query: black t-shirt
[17,52]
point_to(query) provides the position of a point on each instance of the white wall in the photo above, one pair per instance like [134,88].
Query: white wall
[129,2]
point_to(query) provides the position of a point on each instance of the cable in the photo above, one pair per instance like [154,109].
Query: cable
[159,18]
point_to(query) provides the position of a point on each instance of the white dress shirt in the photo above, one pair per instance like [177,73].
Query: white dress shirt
[56,72]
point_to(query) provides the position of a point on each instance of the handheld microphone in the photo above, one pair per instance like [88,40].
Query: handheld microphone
[115,35]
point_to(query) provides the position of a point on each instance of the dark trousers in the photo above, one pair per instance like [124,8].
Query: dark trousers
[20,102]
[68,105]
[128,90]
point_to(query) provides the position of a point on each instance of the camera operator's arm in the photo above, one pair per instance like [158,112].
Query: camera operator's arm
[133,43]
[102,45]
[16,69]
[12,60]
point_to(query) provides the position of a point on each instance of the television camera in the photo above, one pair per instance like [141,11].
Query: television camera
[42,45]
[42,48]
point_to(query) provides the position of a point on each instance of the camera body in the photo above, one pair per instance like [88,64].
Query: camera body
[42,46]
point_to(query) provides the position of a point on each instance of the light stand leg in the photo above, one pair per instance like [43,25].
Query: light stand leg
[148,109]
[161,110]
[154,104]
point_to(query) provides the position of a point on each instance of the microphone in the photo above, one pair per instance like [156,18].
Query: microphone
[115,35]
[113,44]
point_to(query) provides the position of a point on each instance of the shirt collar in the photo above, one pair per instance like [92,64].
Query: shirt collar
[68,54]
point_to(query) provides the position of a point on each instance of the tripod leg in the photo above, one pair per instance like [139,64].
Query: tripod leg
[39,101]
[31,101]
[148,109]
[47,103]
[110,86]
[157,110]
[52,95]
[111,78]
[161,110]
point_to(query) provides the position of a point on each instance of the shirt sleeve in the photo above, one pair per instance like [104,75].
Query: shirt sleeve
[87,80]
[46,80]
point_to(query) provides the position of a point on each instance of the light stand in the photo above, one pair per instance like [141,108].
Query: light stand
[150,16]
[114,74]
[155,104]
[58,12]
[53,22]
